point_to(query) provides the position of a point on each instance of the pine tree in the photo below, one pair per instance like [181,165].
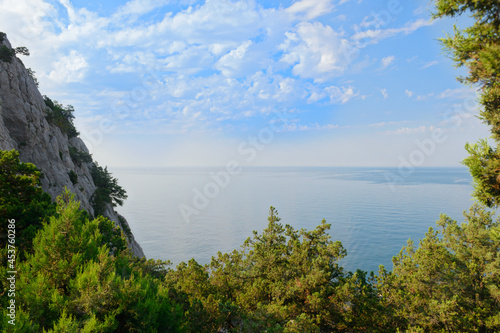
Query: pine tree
[478,49]
[107,190]
[451,281]
[282,280]
[78,280]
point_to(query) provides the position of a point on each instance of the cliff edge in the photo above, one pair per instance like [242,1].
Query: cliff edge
[25,128]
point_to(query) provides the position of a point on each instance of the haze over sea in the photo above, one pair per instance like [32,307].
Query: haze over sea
[373,211]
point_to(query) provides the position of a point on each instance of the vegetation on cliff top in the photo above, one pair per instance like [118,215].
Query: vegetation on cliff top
[61,116]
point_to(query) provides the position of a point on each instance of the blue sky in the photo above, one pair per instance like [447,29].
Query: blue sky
[271,83]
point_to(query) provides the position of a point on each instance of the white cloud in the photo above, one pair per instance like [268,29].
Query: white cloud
[373,36]
[214,21]
[218,59]
[424,97]
[411,59]
[458,93]
[317,127]
[185,103]
[388,123]
[430,64]
[408,130]
[386,61]
[340,95]
[273,88]
[287,87]
[316,51]
[408,93]
[131,61]
[190,61]
[25,19]
[217,26]
[69,68]
[316,95]
[422,10]
[384,93]
[233,61]
[310,9]
[311,127]
[136,8]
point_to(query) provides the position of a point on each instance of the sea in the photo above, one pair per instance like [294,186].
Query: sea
[181,213]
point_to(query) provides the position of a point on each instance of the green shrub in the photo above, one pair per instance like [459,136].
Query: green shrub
[6,53]
[61,116]
[78,157]
[21,199]
[31,73]
[125,227]
[73,177]
[107,192]
[22,50]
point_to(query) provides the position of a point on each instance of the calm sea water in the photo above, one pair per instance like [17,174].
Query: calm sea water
[373,212]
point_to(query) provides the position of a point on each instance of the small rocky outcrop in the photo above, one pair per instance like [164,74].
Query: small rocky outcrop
[24,127]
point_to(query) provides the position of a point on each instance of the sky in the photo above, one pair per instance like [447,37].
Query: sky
[258,83]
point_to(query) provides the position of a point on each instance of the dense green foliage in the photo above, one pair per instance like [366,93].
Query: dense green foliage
[76,274]
[22,199]
[451,281]
[6,53]
[478,48]
[283,280]
[22,50]
[78,157]
[73,177]
[61,116]
[125,227]
[107,192]
[74,282]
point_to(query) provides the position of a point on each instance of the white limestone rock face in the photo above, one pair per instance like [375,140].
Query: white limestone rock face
[23,126]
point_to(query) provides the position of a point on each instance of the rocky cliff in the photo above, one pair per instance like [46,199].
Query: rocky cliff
[24,127]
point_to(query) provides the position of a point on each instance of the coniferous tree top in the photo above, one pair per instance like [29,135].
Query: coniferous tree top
[478,48]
